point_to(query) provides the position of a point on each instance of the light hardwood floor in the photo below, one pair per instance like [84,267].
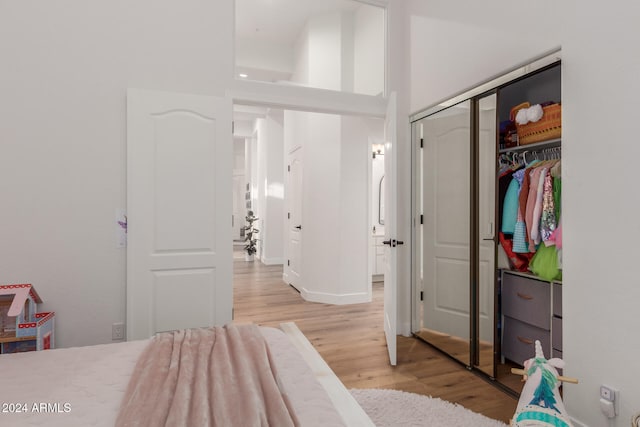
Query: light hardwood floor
[351,340]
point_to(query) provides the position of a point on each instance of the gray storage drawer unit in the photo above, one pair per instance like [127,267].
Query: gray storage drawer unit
[519,338]
[530,313]
[527,299]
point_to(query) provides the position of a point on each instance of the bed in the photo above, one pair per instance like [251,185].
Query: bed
[84,386]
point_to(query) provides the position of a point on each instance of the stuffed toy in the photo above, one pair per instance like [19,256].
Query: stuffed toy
[540,403]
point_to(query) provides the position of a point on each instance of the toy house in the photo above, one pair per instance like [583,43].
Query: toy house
[22,328]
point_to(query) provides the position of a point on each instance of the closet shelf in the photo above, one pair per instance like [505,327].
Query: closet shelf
[533,147]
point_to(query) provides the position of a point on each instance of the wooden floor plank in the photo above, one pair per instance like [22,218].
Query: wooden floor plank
[350,338]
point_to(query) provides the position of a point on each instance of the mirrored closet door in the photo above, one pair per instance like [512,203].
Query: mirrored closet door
[446,252]
[485,292]
[457,232]
[475,298]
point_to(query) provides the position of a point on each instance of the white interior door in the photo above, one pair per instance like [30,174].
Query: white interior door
[446,240]
[179,257]
[295,217]
[390,229]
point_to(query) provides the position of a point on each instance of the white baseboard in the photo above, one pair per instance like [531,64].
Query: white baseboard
[335,299]
[272,261]
[577,423]
[404,329]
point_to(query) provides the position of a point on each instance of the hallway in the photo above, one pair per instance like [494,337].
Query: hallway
[351,340]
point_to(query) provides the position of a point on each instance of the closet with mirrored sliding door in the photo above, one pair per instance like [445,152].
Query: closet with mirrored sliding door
[461,147]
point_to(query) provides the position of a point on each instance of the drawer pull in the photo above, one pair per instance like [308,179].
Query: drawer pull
[524,340]
[523,296]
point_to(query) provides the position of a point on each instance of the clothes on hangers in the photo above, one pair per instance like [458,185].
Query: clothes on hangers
[530,216]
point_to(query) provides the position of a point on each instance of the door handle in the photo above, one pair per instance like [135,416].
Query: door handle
[299,227]
[524,340]
[399,242]
[493,239]
[386,242]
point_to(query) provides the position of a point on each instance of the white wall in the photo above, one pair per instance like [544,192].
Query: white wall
[600,86]
[243,128]
[320,206]
[66,67]
[368,50]
[351,243]
[259,182]
[262,54]
[252,176]
[453,48]
[300,73]
[601,289]
[342,51]
[325,51]
[335,208]
[269,185]
[239,187]
[272,189]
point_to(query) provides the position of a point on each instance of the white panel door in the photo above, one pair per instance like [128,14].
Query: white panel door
[390,229]
[446,221]
[179,257]
[295,217]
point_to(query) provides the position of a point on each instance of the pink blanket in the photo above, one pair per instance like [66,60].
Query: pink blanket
[206,377]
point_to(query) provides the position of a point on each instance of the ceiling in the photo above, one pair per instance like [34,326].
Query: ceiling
[280,21]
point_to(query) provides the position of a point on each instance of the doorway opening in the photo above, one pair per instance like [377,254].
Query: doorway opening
[308,178]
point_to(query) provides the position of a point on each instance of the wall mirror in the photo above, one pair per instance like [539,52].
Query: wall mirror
[381,201]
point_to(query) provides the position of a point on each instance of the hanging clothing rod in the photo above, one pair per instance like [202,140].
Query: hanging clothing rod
[533,147]
[524,157]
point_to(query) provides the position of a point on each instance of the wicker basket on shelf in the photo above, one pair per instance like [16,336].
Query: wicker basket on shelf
[548,127]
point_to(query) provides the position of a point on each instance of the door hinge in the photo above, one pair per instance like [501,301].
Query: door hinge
[288,215]
[421,142]
[421,219]
[288,263]
[421,295]
[233,127]
[288,168]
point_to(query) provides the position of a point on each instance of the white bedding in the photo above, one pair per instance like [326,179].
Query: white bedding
[83,386]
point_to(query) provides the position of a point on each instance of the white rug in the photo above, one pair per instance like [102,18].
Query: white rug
[398,408]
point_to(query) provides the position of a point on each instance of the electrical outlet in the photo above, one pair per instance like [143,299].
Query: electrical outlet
[607,393]
[117,331]
[609,398]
